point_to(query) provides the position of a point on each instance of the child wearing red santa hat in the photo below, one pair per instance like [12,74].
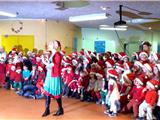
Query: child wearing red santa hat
[83,83]
[146,108]
[113,93]
[136,96]
[148,71]
[99,85]
[18,79]
[90,89]
[2,73]
[8,70]
[12,76]
[34,74]
[143,56]
[40,81]
[67,78]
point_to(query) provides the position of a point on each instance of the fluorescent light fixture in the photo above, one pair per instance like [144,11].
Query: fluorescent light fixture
[2,13]
[118,29]
[107,27]
[139,21]
[88,17]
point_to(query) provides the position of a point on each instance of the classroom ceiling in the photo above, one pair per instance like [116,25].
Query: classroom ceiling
[47,9]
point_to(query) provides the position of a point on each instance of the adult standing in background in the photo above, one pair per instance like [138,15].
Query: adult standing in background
[53,82]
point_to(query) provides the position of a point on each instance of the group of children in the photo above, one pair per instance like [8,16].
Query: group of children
[111,79]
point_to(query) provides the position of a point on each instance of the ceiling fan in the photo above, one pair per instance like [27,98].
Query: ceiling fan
[63,5]
[137,19]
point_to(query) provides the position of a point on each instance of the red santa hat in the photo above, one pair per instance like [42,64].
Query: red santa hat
[113,73]
[69,57]
[89,52]
[121,55]
[75,61]
[81,52]
[18,69]
[129,77]
[138,64]
[120,67]
[156,56]
[153,83]
[109,63]
[100,73]
[94,54]
[63,52]
[74,54]
[149,67]
[92,71]
[87,59]
[140,80]
[101,64]
[41,67]
[14,50]
[143,53]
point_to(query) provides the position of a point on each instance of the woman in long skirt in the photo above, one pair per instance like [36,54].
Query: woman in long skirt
[53,82]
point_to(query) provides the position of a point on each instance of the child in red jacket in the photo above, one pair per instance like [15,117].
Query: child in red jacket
[2,73]
[18,79]
[136,96]
[146,108]
[12,76]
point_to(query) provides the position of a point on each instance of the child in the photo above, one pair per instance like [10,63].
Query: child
[34,74]
[151,96]
[98,86]
[26,75]
[40,81]
[68,79]
[90,89]
[136,96]
[8,71]
[113,93]
[83,82]
[18,79]
[12,76]
[2,72]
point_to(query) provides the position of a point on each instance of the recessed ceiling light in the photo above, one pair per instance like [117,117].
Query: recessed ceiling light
[149,28]
[104,8]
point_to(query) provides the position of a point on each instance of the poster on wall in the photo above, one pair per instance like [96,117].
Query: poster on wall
[99,46]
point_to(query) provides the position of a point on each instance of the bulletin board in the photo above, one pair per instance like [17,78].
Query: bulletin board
[99,46]
[21,42]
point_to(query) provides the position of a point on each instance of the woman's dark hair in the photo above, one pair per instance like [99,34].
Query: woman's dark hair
[59,44]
